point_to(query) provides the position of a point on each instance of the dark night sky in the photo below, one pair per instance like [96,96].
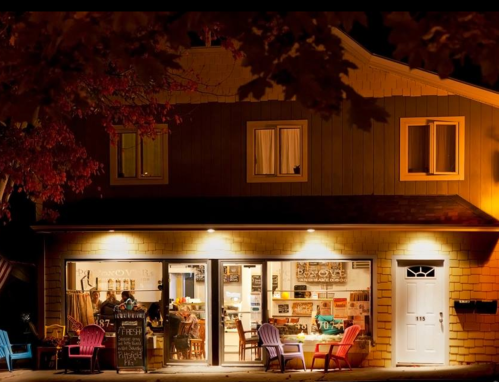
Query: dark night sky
[375,39]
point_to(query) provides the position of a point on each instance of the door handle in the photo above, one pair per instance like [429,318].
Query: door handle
[441,317]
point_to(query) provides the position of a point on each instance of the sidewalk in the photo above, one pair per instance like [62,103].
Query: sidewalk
[480,372]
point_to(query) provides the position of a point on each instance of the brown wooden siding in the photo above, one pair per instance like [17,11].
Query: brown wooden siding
[208,151]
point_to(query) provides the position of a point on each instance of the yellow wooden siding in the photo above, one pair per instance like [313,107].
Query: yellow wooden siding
[474,271]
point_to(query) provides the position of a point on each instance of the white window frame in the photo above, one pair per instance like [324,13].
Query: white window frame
[252,126]
[140,180]
[433,122]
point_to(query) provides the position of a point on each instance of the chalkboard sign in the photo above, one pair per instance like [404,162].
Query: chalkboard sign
[131,353]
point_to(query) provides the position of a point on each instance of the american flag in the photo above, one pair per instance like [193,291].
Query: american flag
[5,268]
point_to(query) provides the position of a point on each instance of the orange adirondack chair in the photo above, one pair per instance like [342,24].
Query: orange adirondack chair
[343,347]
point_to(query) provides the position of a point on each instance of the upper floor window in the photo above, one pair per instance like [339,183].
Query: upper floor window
[432,148]
[136,160]
[277,151]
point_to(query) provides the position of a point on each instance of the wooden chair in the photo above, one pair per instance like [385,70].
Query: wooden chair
[271,341]
[91,338]
[54,333]
[197,344]
[281,321]
[6,350]
[343,347]
[244,342]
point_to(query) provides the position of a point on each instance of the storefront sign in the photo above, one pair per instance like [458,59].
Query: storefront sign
[324,272]
[131,351]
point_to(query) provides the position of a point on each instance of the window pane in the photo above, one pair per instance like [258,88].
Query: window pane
[150,161]
[264,152]
[127,151]
[290,151]
[419,149]
[446,148]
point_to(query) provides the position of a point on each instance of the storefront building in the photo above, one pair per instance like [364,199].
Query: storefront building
[400,285]
[364,226]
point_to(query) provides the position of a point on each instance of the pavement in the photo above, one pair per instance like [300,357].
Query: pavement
[479,372]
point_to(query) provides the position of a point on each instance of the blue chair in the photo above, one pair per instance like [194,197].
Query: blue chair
[7,353]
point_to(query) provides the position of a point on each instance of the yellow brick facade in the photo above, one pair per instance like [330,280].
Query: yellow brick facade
[474,270]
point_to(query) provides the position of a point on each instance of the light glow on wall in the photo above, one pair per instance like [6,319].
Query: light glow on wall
[116,245]
[424,246]
[216,242]
[315,246]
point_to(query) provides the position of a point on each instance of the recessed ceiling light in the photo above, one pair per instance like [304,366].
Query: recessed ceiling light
[310,230]
[111,230]
[211,230]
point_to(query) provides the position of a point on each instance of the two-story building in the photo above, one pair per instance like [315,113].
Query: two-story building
[260,211]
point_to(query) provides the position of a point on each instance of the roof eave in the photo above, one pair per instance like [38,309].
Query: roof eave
[263,227]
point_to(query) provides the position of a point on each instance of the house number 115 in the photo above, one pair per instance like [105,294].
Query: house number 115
[420,318]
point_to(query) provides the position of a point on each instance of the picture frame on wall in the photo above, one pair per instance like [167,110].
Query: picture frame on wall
[234,278]
[256,283]
[275,282]
[303,309]
[234,269]
[199,274]
[283,308]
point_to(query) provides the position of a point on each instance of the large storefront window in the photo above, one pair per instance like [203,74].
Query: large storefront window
[95,288]
[320,298]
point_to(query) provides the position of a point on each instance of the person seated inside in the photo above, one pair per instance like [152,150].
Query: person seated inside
[126,295]
[107,307]
[329,325]
[154,318]
[188,316]
[174,320]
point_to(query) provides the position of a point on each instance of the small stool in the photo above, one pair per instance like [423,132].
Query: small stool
[55,350]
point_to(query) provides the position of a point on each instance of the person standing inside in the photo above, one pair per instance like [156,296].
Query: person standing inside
[95,298]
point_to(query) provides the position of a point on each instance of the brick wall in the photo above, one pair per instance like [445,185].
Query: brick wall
[474,270]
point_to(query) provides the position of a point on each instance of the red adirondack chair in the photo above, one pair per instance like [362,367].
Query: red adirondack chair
[343,347]
[91,338]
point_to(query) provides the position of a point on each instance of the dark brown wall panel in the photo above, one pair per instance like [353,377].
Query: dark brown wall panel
[207,152]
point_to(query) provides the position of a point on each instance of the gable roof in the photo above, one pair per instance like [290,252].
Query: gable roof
[376,76]
[362,57]
[387,212]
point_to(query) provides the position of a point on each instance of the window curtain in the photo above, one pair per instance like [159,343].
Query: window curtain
[290,155]
[79,306]
[151,157]
[446,148]
[419,149]
[127,151]
[264,152]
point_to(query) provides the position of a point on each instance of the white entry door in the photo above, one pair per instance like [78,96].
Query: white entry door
[420,324]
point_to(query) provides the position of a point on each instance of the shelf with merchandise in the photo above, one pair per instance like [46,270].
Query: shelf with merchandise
[114,290]
[318,295]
